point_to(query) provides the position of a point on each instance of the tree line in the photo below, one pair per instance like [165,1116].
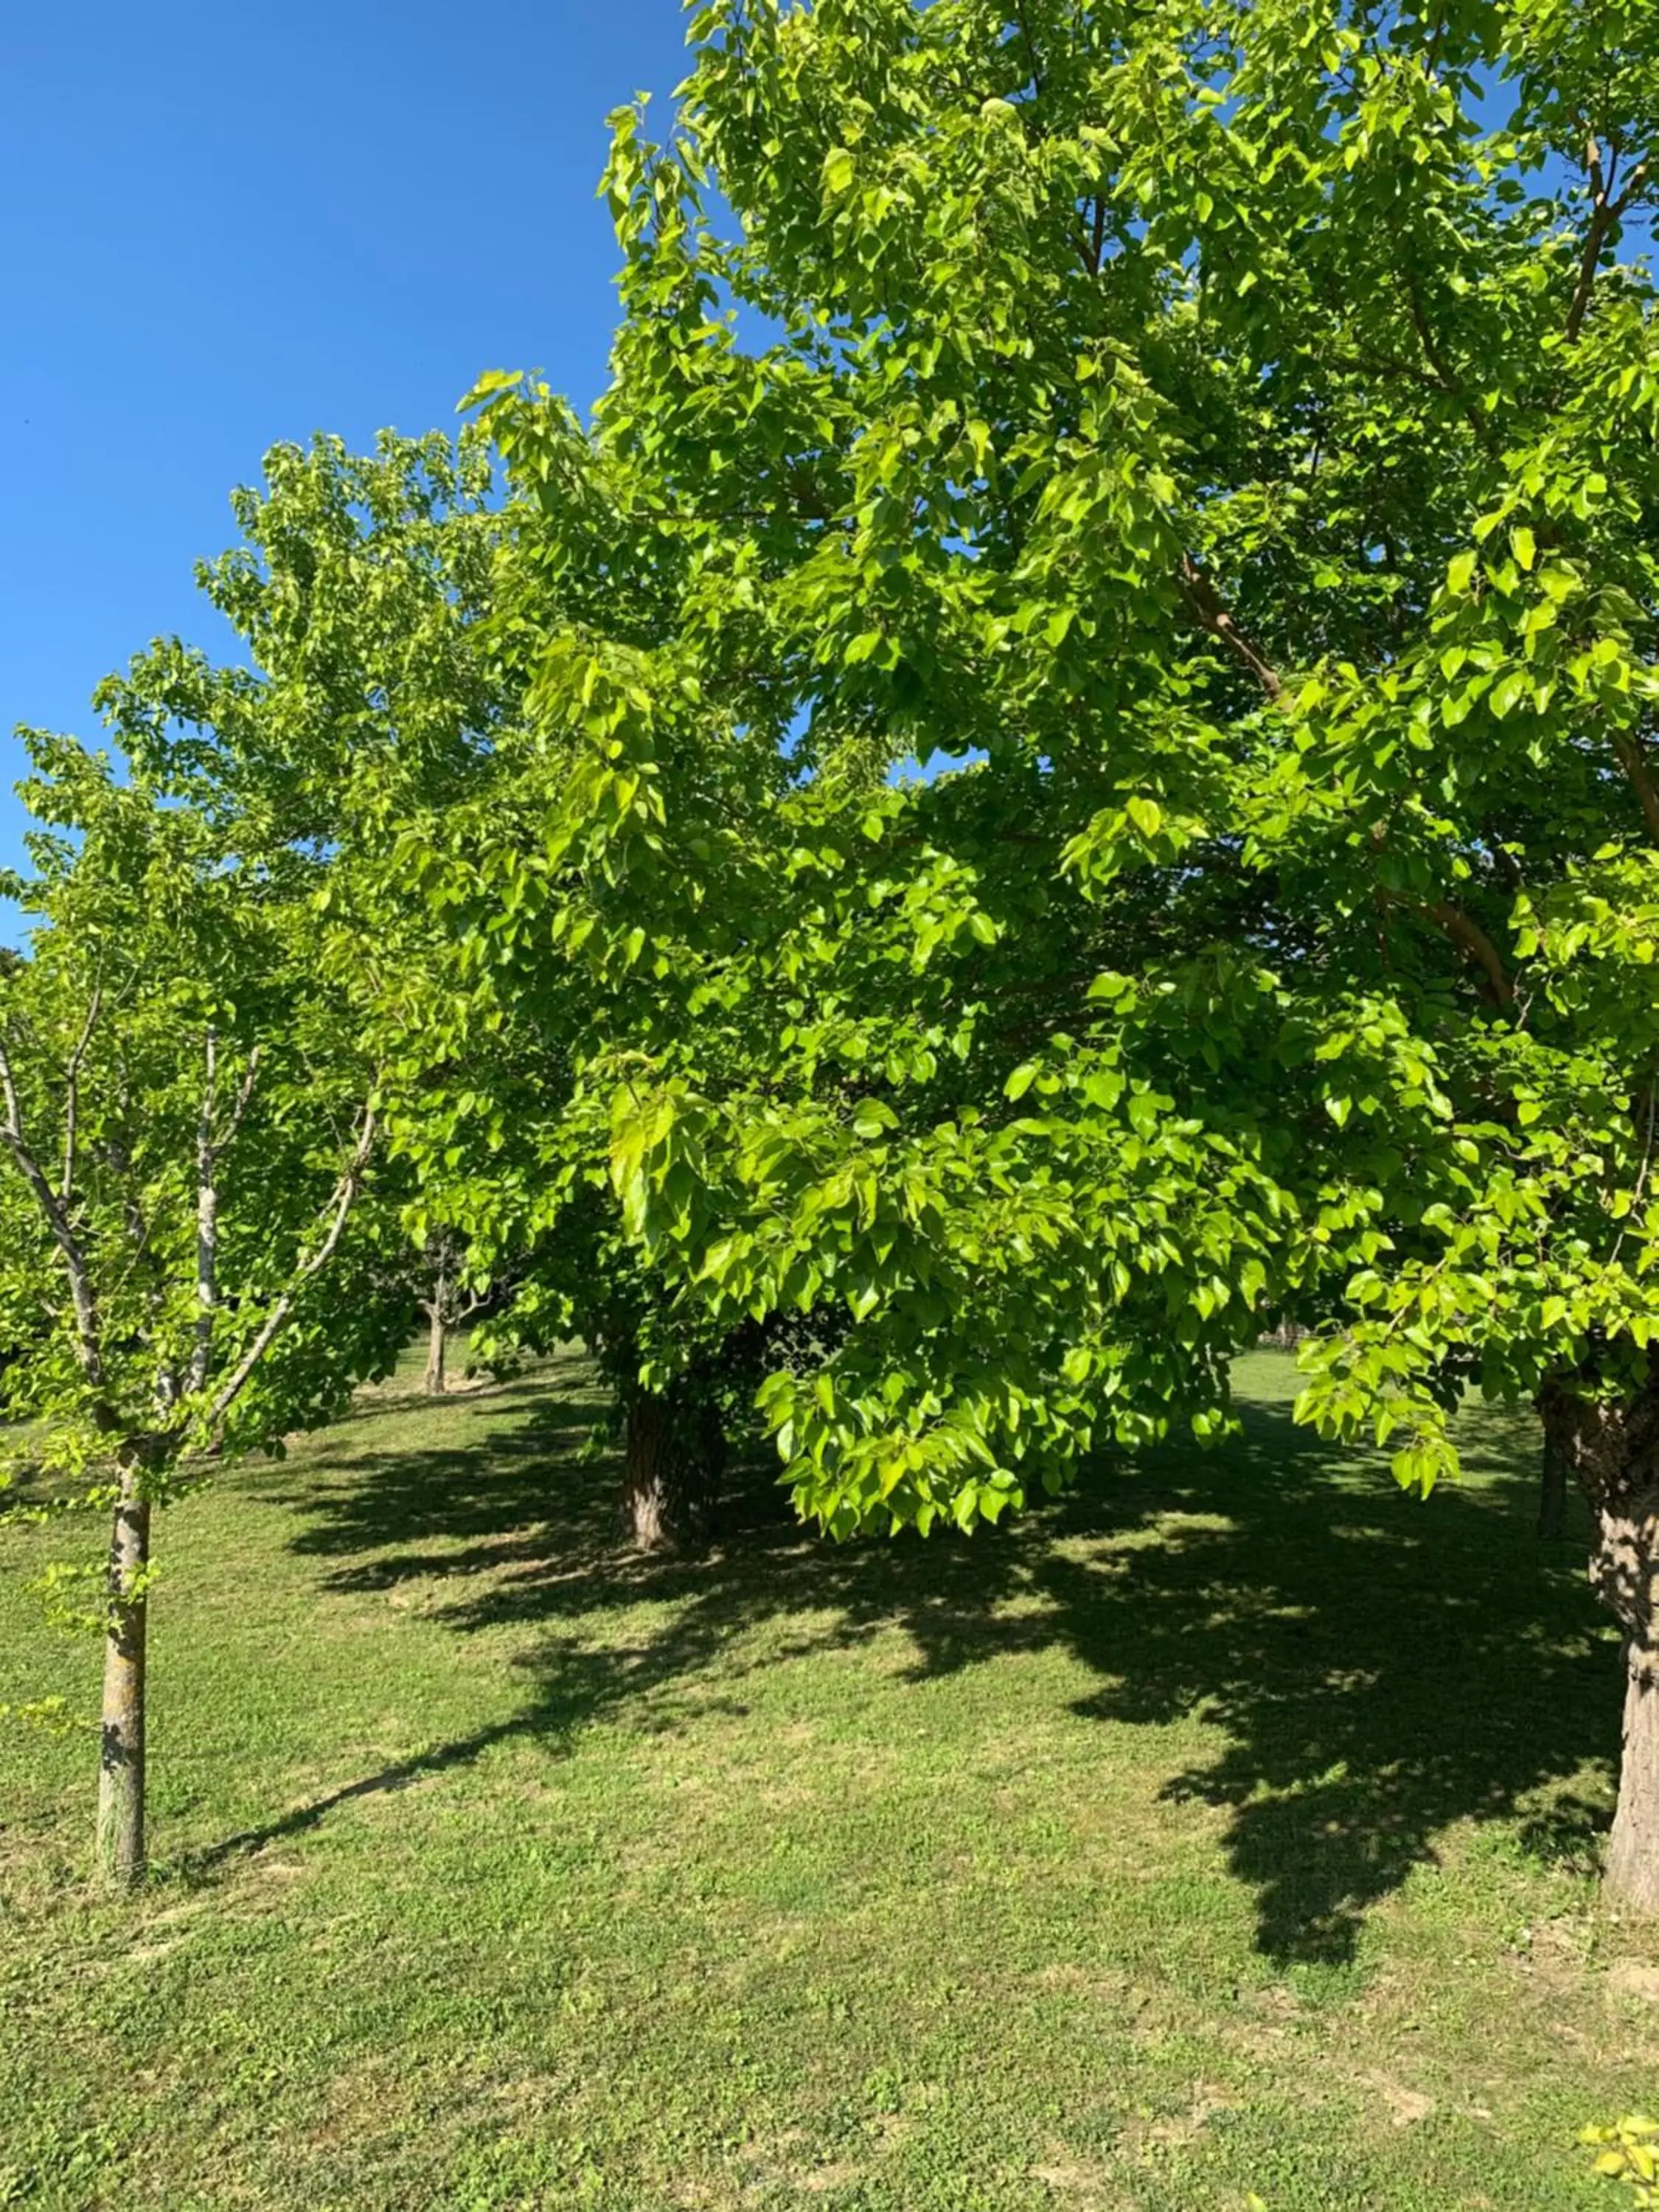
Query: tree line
[1059,777]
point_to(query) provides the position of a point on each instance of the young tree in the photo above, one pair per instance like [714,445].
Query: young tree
[444,1293]
[186,1133]
[1231,429]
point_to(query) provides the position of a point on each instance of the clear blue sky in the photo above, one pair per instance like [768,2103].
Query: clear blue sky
[222,225]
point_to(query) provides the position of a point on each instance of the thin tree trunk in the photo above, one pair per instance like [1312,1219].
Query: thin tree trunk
[436,1339]
[1633,1874]
[120,1849]
[674,1453]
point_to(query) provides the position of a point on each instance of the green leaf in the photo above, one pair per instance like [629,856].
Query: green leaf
[839,171]
[1507,692]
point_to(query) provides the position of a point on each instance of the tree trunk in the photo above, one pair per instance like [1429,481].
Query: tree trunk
[1633,1848]
[674,1454]
[1614,1449]
[437,1335]
[120,1849]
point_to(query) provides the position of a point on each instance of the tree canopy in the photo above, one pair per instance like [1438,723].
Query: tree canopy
[1219,428]
[1227,434]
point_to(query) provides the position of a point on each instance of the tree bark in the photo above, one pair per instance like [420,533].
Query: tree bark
[436,1340]
[1633,1874]
[121,1846]
[1614,1449]
[674,1453]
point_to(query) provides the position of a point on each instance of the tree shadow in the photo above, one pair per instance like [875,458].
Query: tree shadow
[1378,1668]
[401,1775]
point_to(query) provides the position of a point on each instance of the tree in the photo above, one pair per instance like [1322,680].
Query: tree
[186,1134]
[1210,428]
[378,718]
[445,1294]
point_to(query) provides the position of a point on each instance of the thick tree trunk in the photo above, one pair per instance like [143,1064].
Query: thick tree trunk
[674,1454]
[120,1849]
[1614,1449]
[437,1337]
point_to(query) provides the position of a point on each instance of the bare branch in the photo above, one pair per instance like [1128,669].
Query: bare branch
[244,1098]
[207,1218]
[1605,211]
[345,1192]
[1031,55]
[209,1148]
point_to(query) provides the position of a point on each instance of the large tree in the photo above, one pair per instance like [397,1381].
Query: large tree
[188,1228]
[1227,432]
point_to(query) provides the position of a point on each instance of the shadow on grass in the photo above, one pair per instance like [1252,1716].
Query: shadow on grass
[1378,1667]
[311,1814]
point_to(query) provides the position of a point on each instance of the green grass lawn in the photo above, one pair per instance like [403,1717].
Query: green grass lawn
[1228,1828]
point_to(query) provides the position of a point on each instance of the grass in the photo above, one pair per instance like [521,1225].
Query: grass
[1228,1828]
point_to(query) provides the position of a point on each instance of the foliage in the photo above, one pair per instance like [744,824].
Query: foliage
[1627,2154]
[186,1121]
[380,722]
[1226,434]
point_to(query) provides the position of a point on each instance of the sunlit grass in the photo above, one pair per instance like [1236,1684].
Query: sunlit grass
[1228,1828]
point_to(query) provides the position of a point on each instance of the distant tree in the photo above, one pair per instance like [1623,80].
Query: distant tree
[187,1132]
[448,1295]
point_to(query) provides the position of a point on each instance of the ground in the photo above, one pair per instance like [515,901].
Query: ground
[1228,1829]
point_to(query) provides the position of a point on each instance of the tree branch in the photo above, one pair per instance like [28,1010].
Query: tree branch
[1634,761]
[87,1352]
[209,1150]
[207,1218]
[1443,377]
[1030,48]
[1605,211]
[244,1096]
[1204,603]
[345,1192]
[1465,930]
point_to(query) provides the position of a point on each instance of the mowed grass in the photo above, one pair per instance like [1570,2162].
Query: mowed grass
[1230,1827]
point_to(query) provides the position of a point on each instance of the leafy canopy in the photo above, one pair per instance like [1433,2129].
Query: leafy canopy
[1226,433]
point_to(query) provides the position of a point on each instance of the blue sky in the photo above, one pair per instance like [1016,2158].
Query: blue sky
[224,225]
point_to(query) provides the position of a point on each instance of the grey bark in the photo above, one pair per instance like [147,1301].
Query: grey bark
[436,1340]
[121,1839]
